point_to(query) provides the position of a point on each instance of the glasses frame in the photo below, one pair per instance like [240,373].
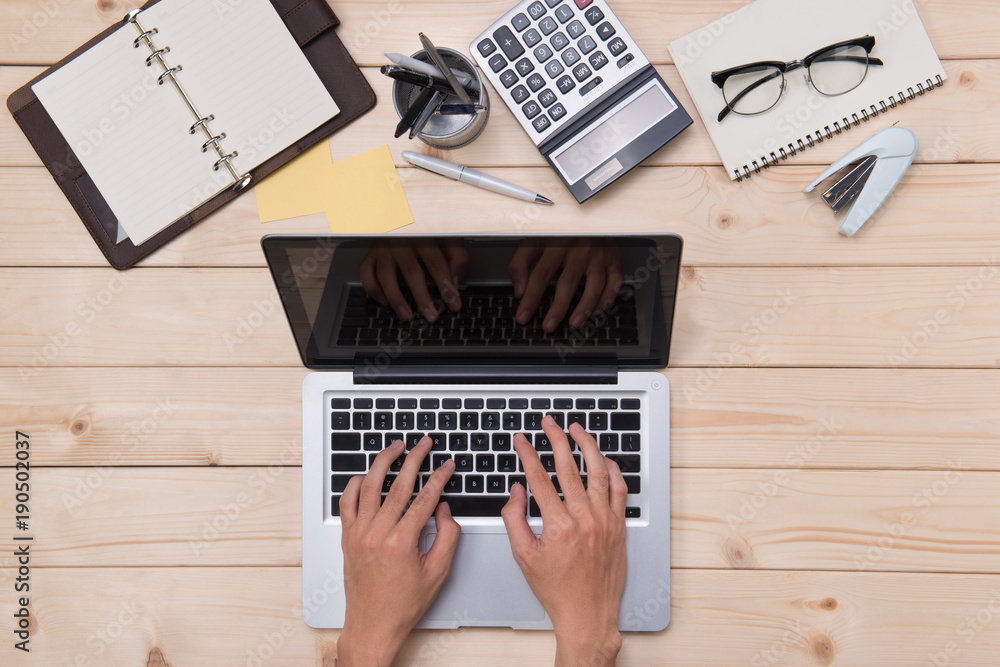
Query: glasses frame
[719,78]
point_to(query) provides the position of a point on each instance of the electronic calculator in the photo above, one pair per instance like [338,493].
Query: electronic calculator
[581,88]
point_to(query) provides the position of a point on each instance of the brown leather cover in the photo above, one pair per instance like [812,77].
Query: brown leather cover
[311,22]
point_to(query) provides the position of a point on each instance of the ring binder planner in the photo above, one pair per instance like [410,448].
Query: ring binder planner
[240,181]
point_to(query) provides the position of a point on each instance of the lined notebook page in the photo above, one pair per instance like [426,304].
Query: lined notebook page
[131,135]
[789,30]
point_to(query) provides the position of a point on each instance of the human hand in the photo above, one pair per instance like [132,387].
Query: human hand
[576,568]
[447,263]
[536,263]
[388,582]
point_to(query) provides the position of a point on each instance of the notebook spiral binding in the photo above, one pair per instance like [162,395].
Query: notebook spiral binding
[863,116]
[240,181]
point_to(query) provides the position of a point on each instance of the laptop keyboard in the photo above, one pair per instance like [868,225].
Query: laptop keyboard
[477,433]
[486,319]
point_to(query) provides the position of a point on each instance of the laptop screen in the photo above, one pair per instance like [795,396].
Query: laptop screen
[476,300]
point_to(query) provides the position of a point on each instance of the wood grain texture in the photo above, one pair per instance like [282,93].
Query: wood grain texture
[155,616]
[720,417]
[857,521]
[953,124]
[940,215]
[787,317]
[43,32]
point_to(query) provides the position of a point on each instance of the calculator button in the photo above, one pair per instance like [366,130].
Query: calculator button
[525,66]
[541,123]
[598,60]
[606,31]
[558,111]
[587,44]
[532,37]
[508,42]
[582,4]
[519,94]
[531,109]
[552,3]
[559,41]
[594,15]
[554,68]
[617,47]
[497,62]
[564,13]
[566,84]
[575,29]
[571,57]
[626,60]
[537,10]
[535,81]
[547,25]
[508,78]
[590,86]
[486,47]
[520,22]
[582,72]
[543,53]
[547,98]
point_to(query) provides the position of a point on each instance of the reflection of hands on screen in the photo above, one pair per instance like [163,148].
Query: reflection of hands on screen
[447,263]
[595,263]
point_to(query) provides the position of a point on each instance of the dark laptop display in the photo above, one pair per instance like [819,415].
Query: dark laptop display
[389,301]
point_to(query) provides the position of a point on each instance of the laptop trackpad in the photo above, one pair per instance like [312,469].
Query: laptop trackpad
[485,587]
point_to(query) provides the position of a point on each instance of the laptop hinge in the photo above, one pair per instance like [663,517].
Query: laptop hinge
[368,372]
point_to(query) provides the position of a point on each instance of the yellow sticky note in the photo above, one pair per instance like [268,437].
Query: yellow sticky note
[359,195]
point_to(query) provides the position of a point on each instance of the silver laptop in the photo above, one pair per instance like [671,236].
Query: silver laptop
[471,379]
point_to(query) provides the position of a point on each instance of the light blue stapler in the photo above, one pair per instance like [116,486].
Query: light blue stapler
[882,162]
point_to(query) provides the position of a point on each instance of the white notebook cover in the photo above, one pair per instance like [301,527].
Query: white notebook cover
[789,30]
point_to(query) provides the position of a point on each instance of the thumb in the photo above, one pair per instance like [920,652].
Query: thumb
[442,551]
[513,519]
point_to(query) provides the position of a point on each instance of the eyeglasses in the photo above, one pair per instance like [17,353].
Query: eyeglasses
[833,70]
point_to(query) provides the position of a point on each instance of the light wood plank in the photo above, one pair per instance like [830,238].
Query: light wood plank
[741,519]
[787,317]
[942,214]
[155,616]
[720,417]
[43,32]
[954,123]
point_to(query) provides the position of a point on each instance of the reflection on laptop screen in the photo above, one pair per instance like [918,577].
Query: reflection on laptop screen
[539,299]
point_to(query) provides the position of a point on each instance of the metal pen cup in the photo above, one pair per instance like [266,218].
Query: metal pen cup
[441,131]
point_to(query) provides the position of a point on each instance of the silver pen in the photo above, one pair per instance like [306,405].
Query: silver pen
[436,58]
[426,68]
[457,172]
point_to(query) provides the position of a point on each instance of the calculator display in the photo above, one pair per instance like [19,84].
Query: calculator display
[622,125]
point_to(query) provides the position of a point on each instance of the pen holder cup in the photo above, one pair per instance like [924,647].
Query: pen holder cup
[447,132]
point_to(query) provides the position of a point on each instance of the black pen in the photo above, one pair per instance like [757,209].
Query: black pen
[417,79]
[410,117]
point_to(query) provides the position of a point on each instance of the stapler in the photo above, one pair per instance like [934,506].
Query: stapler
[880,164]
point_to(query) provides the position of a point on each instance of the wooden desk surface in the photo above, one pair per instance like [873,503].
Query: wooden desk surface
[835,479]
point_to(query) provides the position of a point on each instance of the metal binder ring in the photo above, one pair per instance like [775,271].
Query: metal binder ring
[884,107]
[829,134]
[864,115]
[201,121]
[157,53]
[169,72]
[213,142]
[892,100]
[910,94]
[857,121]
[746,172]
[802,146]
[756,167]
[836,126]
[940,81]
[810,140]
[144,35]
[225,160]
[920,89]
[784,155]
[774,159]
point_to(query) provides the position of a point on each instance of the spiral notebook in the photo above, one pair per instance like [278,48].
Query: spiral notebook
[787,30]
[172,108]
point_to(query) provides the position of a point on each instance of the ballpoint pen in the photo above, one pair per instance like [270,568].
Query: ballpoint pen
[417,79]
[426,68]
[457,172]
[410,117]
[427,114]
[436,58]
[459,109]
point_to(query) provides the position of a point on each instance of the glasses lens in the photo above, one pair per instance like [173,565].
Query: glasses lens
[839,70]
[754,90]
